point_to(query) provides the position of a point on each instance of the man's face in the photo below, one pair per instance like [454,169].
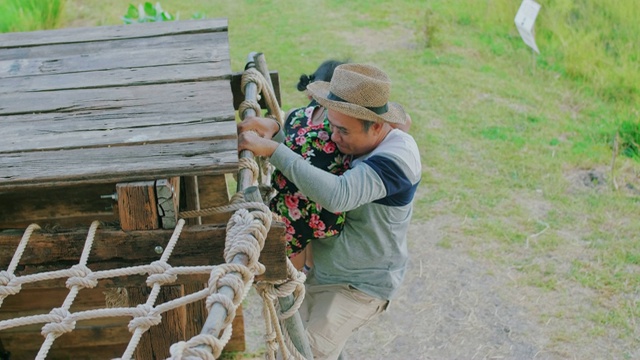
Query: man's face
[349,135]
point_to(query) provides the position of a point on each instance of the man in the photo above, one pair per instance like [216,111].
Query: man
[357,272]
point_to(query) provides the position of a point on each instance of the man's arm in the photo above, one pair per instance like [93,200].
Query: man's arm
[357,186]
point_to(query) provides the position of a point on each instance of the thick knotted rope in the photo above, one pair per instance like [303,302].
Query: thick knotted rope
[254,76]
[276,337]
[246,232]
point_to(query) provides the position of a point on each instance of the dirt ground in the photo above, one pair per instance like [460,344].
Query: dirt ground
[452,306]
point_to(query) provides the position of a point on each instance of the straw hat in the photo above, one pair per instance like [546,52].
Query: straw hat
[361,91]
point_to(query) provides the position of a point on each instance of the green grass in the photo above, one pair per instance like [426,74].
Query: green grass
[508,138]
[28,15]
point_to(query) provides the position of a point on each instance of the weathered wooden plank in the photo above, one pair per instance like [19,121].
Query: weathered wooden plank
[41,301]
[217,42]
[117,164]
[102,33]
[198,245]
[168,97]
[54,207]
[185,128]
[28,342]
[104,117]
[132,76]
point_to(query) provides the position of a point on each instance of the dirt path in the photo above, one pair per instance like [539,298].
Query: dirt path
[451,307]
[448,308]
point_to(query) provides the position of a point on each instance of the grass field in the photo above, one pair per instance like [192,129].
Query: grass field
[520,148]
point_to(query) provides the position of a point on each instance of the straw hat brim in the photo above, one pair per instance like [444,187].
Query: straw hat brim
[319,90]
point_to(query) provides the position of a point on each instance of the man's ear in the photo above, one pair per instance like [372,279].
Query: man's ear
[377,127]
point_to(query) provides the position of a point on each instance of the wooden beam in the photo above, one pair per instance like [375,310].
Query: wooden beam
[54,208]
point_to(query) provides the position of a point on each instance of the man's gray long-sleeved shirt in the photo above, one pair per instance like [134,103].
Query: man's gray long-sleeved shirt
[377,193]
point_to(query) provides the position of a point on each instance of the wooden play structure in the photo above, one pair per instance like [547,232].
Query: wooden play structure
[110,136]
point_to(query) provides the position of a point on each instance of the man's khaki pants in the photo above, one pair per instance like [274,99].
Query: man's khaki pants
[331,313]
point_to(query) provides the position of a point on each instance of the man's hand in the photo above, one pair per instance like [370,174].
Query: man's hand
[250,140]
[265,127]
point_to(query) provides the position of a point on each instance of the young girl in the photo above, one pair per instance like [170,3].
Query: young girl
[308,133]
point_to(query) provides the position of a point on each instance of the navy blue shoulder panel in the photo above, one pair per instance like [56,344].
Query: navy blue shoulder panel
[400,190]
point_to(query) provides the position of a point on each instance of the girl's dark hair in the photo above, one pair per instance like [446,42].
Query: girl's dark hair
[323,73]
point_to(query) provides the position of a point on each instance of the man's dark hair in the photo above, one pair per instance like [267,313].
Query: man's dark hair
[366,124]
[323,73]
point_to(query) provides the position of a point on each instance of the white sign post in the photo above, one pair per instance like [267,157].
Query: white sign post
[525,19]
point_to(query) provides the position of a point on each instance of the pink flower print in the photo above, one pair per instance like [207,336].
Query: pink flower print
[323,135]
[321,225]
[295,214]
[316,126]
[302,131]
[281,182]
[318,234]
[329,147]
[290,229]
[291,201]
[300,140]
[313,222]
[288,237]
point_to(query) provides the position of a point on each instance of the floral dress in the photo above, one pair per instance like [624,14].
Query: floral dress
[306,220]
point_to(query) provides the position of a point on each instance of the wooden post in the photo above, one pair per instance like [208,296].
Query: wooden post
[137,206]
[138,210]
[192,198]
[155,343]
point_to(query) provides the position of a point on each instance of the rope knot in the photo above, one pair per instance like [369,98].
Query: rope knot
[9,284]
[161,274]
[226,302]
[61,323]
[147,318]
[246,233]
[193,350]
[82,277]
